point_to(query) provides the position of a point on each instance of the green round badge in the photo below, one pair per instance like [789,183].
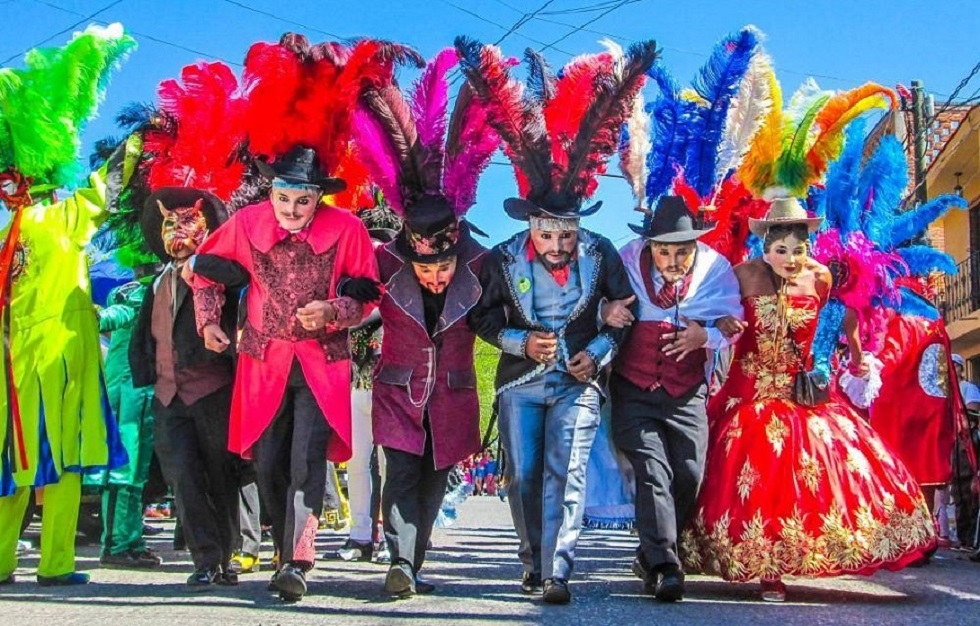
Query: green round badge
[524,285]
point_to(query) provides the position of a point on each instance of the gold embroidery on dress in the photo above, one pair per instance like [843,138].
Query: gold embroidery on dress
[809,472]
[748,478]
[776,433]
[773,366]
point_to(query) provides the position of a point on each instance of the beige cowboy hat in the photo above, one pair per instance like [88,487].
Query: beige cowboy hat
[784,211]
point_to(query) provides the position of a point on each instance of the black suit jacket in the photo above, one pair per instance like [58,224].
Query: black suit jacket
[187,342]
[507,301]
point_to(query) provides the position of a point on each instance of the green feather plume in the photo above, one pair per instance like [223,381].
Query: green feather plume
[45,105]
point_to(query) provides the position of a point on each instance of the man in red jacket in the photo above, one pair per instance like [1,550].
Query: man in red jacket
[426,411]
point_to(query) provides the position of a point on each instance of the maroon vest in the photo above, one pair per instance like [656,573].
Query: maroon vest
[643,362]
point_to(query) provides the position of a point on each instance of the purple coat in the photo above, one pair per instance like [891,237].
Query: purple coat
[417,373]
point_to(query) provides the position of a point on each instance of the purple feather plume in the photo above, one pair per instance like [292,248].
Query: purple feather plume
[471,143]
[430,99]
[376,151]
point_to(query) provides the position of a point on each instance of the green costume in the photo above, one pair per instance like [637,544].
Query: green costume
[56,423]
[122,498]
[61,426]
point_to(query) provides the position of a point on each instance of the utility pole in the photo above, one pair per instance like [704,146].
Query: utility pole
[919,132]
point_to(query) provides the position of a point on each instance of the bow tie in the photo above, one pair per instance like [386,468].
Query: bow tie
[282,234]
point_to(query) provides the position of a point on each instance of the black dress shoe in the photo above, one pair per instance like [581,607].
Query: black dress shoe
[423,586]
[531,583]
[273,582]
[353,551]
[556,591]
[671,585]
[291,583]
[202,578]
[74,578]
[400,580]
[227,576]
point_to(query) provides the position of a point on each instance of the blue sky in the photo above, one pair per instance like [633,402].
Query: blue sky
[841,44]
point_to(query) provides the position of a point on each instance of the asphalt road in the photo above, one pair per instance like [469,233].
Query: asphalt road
[475,567]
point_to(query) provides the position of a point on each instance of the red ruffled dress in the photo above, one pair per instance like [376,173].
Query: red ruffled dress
[791,489]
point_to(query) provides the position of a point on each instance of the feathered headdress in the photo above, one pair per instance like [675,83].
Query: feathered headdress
[405,144]
[699,136]
[422,165]
[558,131]
[298,94]
[45,105]
[199,145]
[793,147]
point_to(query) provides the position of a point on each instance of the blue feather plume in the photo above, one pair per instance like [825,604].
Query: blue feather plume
[882,186]
[716,83]
[910,224]
[914,304]
[669,134]
[922,260]
[841,208]
[827,336]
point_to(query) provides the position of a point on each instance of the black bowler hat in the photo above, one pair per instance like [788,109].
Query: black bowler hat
[670,222]
[300,166]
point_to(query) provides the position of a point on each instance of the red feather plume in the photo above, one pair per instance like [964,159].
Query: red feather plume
[201,146]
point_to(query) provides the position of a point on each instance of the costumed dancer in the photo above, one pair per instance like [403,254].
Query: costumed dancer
[291,404]
[688,308]
[542,287]
[426,411]
[688,295]
[835,500]
[57,424]
[189,171]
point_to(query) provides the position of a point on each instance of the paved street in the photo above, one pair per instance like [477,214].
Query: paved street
[476,570]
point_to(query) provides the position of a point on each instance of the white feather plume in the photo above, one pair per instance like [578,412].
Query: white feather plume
[746,114]
[633,156]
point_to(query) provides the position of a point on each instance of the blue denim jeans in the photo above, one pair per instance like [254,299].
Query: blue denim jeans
[547,426]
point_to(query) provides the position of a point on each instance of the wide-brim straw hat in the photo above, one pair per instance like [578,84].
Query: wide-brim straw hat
[784,211]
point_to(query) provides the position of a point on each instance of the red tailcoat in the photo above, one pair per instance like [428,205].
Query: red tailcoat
[287,272]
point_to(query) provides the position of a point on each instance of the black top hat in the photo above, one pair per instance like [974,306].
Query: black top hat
[151,221]
[431,230]
[300,166]
[670,222]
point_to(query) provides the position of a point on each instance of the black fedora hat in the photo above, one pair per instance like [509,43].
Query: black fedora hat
[521,208]
[431,231]
[670,222]
[300,166]
[151,220]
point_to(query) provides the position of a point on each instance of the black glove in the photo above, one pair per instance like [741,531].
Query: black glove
[361,289]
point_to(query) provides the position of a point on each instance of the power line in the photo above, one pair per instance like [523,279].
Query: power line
[146,36]
[499,25]
[618,5]
[85,19]
[282,19]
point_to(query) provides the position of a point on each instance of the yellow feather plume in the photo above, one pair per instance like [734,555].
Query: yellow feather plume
[759,165]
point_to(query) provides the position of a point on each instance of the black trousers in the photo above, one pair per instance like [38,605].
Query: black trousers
[192,444]
[666,440]
[410,502]
[291,463]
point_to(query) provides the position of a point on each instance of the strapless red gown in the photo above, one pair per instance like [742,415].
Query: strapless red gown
[791,489]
